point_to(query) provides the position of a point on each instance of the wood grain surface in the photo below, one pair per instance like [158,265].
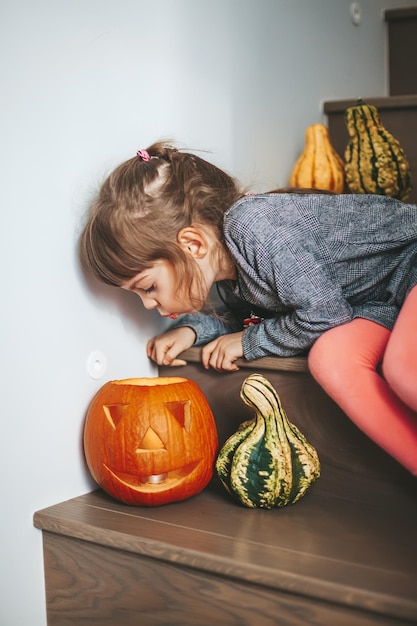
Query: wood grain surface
[355,557]
[90,585]
[291,364]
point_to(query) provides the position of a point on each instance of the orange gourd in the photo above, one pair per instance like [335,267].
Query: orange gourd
[150,441]
[319,166]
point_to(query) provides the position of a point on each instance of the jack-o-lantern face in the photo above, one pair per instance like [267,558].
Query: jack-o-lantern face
[150,441]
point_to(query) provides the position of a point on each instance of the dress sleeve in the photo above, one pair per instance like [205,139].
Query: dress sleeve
[207,327]
[289,334]
[290,269]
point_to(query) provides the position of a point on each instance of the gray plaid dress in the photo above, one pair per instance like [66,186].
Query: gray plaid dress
[312,262]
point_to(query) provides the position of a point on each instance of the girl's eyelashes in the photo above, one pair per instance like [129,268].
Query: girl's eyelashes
[149,290]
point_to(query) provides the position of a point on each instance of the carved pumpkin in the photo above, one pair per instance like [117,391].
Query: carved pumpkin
[150,441]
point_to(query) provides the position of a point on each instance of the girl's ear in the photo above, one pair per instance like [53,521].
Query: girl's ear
[193,241]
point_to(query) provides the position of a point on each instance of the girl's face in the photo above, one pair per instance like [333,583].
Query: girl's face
[158,288]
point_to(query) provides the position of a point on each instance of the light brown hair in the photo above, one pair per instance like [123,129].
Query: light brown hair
[143,205]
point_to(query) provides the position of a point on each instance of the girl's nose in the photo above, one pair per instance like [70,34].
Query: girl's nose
[148,303]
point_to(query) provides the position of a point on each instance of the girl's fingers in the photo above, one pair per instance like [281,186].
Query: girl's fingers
[178,362]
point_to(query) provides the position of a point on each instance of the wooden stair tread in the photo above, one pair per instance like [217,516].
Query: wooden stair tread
[295,549]
[285,364]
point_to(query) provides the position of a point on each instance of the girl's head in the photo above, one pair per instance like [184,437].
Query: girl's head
[142,207]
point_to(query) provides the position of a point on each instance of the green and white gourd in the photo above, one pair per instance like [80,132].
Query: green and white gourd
[268,462]
[375,162]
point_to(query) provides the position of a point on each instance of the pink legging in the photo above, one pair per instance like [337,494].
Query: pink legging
[344,361]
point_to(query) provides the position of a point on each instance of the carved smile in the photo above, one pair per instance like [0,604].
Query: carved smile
[154,482]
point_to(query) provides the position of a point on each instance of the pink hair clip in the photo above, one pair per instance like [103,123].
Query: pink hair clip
[144,155]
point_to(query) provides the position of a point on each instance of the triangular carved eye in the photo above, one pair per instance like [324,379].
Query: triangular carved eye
[151,441]
[181,410]
[114,413]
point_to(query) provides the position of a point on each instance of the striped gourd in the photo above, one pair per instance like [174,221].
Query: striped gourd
[318,166]
[374,160]
[268,462]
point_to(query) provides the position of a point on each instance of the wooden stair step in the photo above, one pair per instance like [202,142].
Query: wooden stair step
[319,561]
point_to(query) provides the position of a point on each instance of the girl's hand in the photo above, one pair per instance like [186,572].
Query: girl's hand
[164,348]
[221,353]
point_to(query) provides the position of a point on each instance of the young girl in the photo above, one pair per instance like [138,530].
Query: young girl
[331,276]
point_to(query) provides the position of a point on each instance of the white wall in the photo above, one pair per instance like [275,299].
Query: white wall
[85,83]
